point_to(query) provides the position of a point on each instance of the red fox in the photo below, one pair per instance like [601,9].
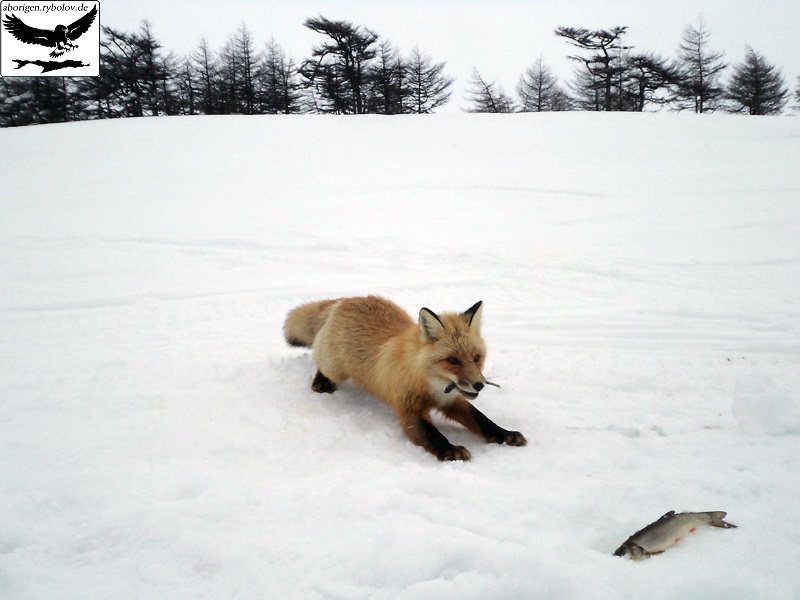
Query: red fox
[413,367]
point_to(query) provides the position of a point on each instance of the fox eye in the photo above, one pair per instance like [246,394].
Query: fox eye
[478,358]
[453,360]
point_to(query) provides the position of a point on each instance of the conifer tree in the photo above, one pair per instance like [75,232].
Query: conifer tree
[239,66]
[426,84]
[601,79]
[37,100]
[136,77]
[797,93]
[339,70]
[649,78]
[538,90]
[487,97]
[280,89]
[699,87]
[205,75]
[387,79]
[757,87]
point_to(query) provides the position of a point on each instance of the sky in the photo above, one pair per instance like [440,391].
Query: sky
[501,38]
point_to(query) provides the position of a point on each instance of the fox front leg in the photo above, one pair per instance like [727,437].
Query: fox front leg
[424,433]
[470,417]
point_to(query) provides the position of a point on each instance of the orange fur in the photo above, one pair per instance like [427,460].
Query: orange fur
[434,363]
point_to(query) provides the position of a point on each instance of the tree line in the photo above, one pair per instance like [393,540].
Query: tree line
[613,76]
[352,70]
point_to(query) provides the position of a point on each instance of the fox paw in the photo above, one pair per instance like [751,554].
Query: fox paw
[455,453]
[322,384]
[514,438]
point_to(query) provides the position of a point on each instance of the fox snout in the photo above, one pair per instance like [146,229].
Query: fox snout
[472,379]
[466,387]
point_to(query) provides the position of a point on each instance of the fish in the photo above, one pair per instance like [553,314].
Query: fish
[664,533]
[452,385]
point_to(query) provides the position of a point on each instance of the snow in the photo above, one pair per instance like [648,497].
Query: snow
[158,439]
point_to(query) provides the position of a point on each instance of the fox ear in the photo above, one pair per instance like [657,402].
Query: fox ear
[430,325]
[473,315]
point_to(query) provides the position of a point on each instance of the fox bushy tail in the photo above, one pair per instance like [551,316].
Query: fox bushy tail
[303,323]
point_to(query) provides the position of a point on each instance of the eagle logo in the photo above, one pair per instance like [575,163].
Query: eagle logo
[61,38]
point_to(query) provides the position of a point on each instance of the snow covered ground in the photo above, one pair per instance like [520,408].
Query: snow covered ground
[158,439]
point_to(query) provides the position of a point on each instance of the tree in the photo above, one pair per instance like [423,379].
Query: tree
[587,90]
[120,76]
[98,95]
[427,87]
[757,87]
[229,85]
[153,72]
[136,78]
[34,100]
[239,65]
[797,93]
[339,71]
[280,88]
[603,76]
[699,86]
[16,102]
[647,74]
[387,78]
[538,90]
[487,97]
[204,72]
[187,92]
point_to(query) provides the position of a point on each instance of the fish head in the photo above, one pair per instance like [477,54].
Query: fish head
[635,551]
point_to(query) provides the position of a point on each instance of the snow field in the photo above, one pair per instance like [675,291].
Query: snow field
[158,439]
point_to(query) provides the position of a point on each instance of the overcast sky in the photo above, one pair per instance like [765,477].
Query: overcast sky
[499,37]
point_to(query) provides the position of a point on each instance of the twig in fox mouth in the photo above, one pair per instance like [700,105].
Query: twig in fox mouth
[497,385]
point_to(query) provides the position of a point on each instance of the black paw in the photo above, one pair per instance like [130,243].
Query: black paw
[322,384]
[454,453]
[514,438]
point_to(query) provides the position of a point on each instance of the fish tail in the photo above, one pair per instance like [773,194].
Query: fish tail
[717,520]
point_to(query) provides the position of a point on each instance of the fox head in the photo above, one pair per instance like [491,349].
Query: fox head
[456,351]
